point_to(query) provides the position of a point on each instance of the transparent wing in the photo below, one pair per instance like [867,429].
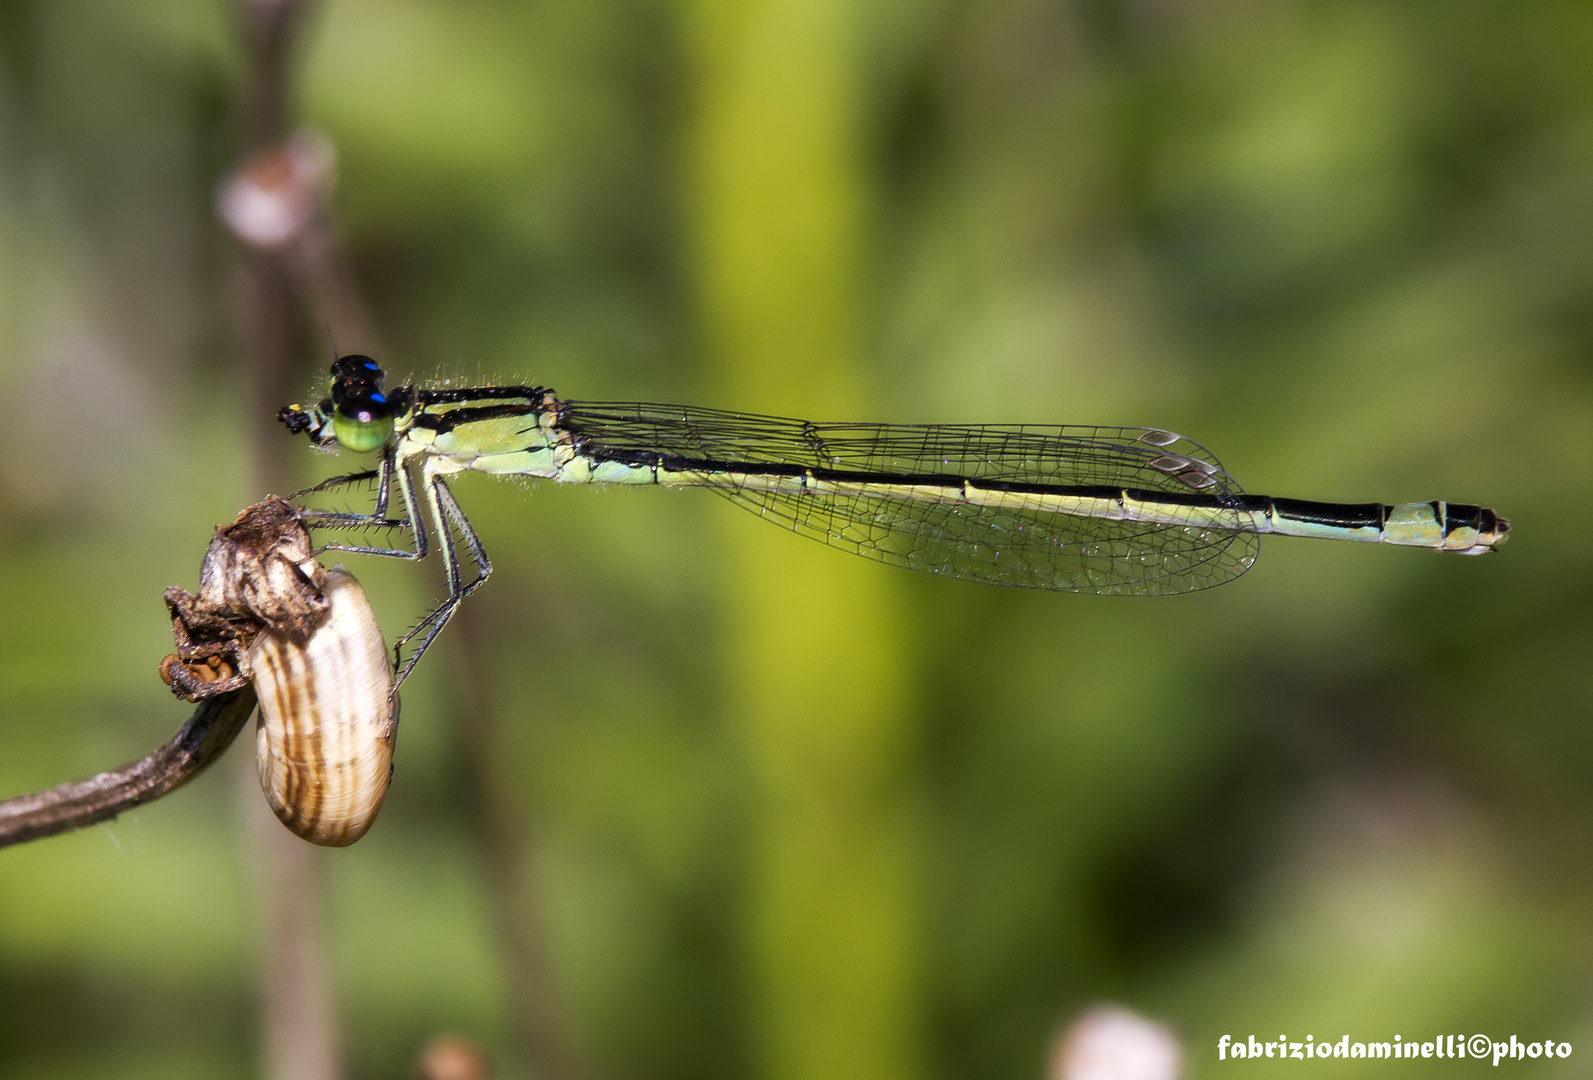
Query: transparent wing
[1015,546]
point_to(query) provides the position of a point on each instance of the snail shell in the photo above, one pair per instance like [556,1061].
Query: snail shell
[324,740]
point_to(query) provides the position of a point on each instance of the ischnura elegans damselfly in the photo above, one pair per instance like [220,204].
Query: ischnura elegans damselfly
[1114,510]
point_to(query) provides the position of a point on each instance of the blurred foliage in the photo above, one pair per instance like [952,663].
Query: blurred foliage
[794,814]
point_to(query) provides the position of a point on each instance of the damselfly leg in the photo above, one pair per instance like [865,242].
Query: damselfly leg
[377,518]
[447,517]
[446,512]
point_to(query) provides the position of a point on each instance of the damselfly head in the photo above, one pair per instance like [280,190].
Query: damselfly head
[358,414]
[362,414]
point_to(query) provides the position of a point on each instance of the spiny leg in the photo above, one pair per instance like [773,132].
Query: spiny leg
[383,476]
[446,510]
[378,474]
[378,518]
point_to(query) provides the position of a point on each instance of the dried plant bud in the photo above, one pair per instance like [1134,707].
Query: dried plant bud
[194,680]
[260,572]
[328,719]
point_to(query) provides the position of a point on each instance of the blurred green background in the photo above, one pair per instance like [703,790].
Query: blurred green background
[788,813]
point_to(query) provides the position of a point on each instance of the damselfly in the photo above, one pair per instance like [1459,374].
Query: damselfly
[1112,510]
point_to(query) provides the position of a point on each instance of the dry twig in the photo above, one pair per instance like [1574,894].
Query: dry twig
[258,574]
[103,796]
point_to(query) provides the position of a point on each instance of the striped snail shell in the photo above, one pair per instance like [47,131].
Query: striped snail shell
[324,740]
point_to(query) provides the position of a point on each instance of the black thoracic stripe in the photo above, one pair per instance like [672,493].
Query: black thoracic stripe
[449,397]
[442,423]
[1348,515]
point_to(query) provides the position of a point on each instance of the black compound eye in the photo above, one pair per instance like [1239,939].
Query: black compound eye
[356,368]
[365,406]
[356,376]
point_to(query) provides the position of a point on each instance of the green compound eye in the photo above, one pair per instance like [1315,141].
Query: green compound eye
[364,422]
